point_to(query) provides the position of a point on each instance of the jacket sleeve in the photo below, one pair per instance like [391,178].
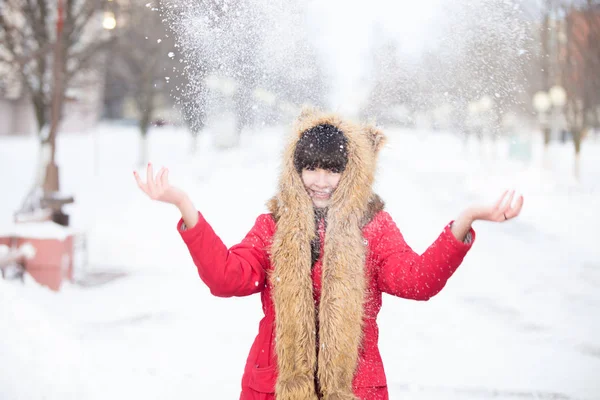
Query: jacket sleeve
[237,271]
[404,273]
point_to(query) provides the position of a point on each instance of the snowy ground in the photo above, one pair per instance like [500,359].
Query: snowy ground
[519,320]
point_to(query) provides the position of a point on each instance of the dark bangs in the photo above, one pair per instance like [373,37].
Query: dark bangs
[322,146]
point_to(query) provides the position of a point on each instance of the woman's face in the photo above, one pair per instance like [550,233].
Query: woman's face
[320,184]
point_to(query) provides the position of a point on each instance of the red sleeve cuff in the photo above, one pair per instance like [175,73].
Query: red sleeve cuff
[465,244]
[188,234]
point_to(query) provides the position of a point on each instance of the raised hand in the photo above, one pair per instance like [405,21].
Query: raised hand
[503,210]
[159,188]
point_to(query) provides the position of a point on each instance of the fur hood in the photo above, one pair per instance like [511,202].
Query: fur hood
[340,313]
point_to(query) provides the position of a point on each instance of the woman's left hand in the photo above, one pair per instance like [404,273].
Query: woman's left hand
[502,211]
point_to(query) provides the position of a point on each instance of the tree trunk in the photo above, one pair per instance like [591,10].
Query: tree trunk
[46,173]
[195,124]
[546,150]
[144,125]
[577,137]
[39,108]
[32,200]
[194,116]
[143,158]
[51,182]
[547,135]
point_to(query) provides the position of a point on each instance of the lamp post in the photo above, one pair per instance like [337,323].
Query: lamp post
[558,98]
[549,108]
[542,103]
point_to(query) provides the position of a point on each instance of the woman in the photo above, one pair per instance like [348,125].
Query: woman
[321,260]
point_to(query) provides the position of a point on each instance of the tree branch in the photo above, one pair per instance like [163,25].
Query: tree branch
[83,57]
[77,23]
[9,32]
[36,54]
[38,25]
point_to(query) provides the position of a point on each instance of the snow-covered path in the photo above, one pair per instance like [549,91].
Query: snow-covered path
[519,320]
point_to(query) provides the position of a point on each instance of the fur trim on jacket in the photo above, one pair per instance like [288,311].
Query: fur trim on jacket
[340,312]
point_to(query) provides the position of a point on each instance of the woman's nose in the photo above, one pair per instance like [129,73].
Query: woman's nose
[322,178]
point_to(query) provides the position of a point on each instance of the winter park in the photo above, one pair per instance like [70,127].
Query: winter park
[229,199]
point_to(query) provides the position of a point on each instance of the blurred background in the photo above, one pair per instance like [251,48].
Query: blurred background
[99,297]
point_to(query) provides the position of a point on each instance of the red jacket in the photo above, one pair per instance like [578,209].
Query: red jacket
[391,267]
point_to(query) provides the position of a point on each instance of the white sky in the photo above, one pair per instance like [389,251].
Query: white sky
[344,30]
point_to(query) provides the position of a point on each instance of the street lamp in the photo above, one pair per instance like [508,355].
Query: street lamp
[549,104]
[109,22]
[473,108]
[486,103]
[558,96]
[542,103]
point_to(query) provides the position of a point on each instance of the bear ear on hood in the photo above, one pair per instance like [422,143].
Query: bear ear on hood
[308,112]
[376,136]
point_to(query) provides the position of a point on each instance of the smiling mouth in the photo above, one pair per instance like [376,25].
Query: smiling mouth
[321,195]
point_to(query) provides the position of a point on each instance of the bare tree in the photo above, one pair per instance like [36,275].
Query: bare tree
[204,34]
[190,95]
[51,44]
[392,84]
[142,61]
[580,71]
[477,56]
[236,42]
[307,85]
[244,65]
[545,60]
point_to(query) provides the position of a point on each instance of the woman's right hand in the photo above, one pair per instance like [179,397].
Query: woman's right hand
[159,188]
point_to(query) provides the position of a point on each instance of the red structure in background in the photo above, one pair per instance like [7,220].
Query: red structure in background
[52,263]
[44,248]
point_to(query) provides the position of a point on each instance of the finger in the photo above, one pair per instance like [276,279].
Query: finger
[500,200]
[516,210]
[151,184]
[165,178]
[140,183]
[158,181]
[506,206]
